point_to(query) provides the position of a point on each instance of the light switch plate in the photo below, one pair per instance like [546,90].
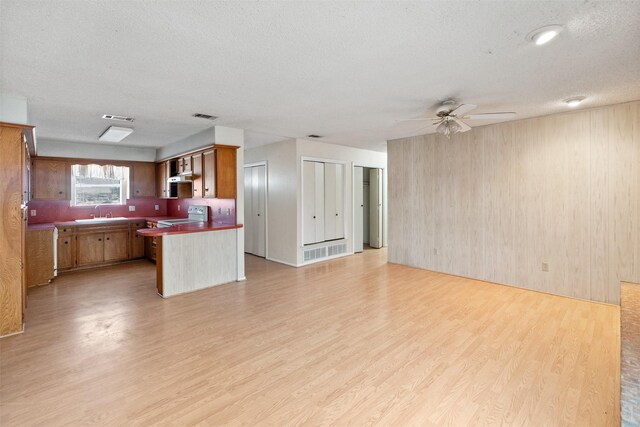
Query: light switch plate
[132,208]
[33,212]
[178,207]
[157,207]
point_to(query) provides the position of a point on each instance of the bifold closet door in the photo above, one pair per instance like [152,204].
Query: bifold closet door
[375,208]
[255,192]
[358,209]
[258,206]
[248,210]
[313,202]
[333,201]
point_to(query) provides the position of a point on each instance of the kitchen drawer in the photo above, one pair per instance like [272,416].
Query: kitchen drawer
[137,225]
[65,230]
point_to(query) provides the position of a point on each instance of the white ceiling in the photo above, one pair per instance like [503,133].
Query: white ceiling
[345,70]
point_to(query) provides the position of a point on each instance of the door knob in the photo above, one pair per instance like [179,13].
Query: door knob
[314,217]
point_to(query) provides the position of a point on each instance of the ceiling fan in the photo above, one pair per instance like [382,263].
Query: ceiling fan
[449,119]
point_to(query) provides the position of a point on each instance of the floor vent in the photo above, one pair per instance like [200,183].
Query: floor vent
[313,254]
[337,249]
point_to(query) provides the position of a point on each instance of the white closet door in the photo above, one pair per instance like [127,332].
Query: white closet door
[248,210]
[259,187]
[319,201]
[339,202]
[375,208]
[358,209]
[330,209]
[309,202]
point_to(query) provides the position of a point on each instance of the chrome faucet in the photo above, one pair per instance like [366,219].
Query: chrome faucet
[98,207]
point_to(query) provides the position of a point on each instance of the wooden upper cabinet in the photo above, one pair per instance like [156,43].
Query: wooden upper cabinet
[196,169]
[225,172]
[186,164]
[209,173]
[161,181]
[51,179]
[143,180]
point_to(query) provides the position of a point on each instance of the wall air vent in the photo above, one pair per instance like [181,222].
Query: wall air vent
[204,116]
[324,252]
[314,136]
[118,118]
[313,254]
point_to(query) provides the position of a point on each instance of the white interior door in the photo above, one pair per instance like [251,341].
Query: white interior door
[375,208]
[248,210]
[259,208]
[309,202]
[358,209]
[330,212]
[339,202]
[319,201]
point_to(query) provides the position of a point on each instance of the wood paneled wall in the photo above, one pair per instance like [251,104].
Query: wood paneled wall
[497,202]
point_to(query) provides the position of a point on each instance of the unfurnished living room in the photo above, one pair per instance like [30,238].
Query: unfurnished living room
[322,212]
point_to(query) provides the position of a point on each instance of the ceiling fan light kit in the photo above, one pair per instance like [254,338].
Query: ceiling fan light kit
[575,101]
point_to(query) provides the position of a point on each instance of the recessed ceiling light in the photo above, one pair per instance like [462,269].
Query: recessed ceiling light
[575,101]
[115,134]
[544,34]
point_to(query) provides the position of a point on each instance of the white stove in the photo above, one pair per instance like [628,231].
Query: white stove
[197,213]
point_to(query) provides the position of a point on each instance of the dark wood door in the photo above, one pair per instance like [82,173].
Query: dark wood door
[196,168]
[225,172]
[209,173]
[116,245]
[89,249]
[51,179]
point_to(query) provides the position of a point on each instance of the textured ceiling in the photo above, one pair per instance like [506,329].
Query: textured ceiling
[345,70]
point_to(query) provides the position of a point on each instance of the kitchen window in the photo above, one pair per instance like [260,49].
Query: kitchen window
[99,185]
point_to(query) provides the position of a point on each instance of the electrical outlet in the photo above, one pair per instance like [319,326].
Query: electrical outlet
[219,211]
[435,251]
[545,266]
[33,212]
[229,211]
[178,208]
[132,208]
[157,207]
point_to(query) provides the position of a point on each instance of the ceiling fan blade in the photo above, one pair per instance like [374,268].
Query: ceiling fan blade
[463,109]
[464,127]
[490,116]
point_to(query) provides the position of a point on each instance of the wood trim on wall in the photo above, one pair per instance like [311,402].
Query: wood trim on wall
[498,202]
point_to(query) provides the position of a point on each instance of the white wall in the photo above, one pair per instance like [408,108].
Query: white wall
[193,142]
[498,201]
[14,109]
[56,148]
[281,197]
[284,178]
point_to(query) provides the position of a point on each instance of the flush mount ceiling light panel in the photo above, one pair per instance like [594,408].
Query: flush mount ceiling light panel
[544,34]
[115,134]
[575,101]
[118,118]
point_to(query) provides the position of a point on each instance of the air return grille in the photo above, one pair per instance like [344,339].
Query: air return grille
[324,252]
[118,118]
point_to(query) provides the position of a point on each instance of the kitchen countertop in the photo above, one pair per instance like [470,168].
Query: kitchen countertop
[189,227]
[52,225]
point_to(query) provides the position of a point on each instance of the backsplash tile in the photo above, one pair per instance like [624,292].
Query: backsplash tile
[61,210]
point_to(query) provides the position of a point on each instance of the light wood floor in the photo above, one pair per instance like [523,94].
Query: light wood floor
[350,341]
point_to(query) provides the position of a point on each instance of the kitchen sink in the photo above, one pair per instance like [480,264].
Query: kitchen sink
[99,220]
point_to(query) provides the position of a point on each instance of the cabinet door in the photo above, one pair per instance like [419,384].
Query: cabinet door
[51,179]
[65,252]
[136,242]
[186,164]
[144,180]
[209,173]
[196,169]
[259,196]
[330,200]
[161,181]
[225,170]
[89,249]
[116,245]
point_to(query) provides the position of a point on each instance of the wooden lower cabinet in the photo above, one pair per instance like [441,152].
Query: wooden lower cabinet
[66,251]
[39,257]
[89,249]
[137,245]
[116,246]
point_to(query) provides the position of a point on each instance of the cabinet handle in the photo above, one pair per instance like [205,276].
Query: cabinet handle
[107,238]
[99,240]
[59,192]
[206,189]
[66,242]
[258,214]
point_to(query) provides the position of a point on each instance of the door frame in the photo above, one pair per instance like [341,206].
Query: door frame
[384,198]
[266,202]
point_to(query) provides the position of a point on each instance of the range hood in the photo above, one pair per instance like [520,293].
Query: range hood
[181,177]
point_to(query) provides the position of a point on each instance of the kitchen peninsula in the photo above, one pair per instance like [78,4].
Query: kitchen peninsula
[194,256]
